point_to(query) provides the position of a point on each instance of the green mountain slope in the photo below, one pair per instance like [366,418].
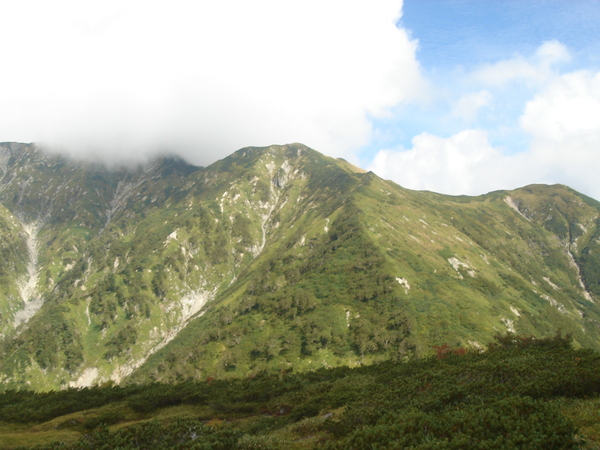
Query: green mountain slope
[388,272]
[274,258]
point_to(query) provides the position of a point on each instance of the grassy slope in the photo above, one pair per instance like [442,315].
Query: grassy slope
[306,263]
[96,309]
[511,272]
[381,272]
[13,268]
[290,305]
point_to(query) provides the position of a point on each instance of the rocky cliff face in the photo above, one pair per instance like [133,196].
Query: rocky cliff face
[273,258]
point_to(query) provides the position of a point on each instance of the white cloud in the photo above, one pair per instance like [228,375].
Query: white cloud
[536,68]
[552,52]
[464,163]
[202,78]
[564,123]
[568,108]
[467,106]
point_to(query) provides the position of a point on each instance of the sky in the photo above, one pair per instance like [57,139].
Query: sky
[453,96]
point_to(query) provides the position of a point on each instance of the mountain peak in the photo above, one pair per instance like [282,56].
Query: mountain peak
[271,258]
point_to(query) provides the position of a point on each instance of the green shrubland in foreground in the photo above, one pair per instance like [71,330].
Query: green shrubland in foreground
[521,393]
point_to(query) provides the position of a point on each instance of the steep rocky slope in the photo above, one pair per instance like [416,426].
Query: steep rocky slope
[274,258]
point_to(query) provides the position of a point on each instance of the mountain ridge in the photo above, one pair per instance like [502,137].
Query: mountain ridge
[270,259]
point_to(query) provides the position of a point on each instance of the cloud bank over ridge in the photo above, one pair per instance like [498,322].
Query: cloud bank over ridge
[121,79]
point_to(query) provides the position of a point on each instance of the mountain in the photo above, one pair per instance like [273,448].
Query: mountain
[275,258]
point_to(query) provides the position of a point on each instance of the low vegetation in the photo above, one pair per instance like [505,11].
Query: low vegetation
[520,393]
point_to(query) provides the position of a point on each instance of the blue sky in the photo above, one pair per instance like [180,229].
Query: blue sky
[457,41]
[458,36]
[458,97]
[454,33]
